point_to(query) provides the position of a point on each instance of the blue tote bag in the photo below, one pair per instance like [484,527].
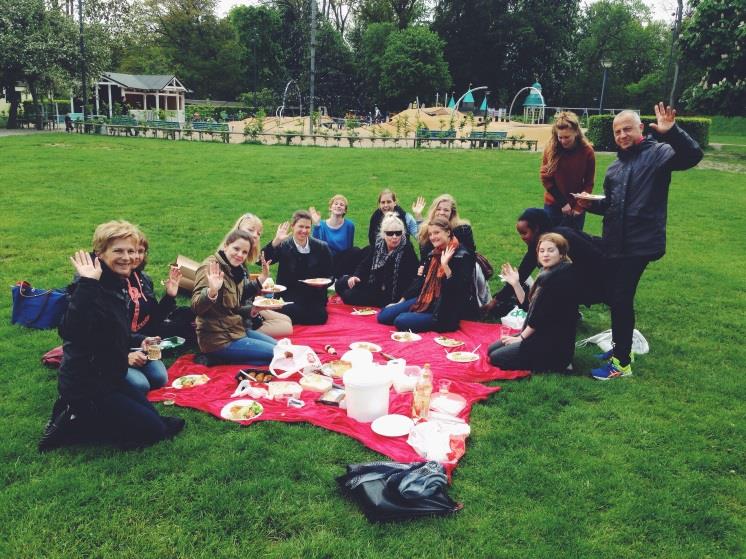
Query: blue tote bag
[37,308]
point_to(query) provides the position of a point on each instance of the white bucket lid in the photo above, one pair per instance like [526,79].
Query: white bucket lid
[367,377]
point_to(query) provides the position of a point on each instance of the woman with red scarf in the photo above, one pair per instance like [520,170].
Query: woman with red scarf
[444,293]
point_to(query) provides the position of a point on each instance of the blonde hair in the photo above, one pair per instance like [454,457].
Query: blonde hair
[111,231]
[454,220]
[564,120]
[340,197]
[248,217]
[563,246]
[240,234]
[389,220]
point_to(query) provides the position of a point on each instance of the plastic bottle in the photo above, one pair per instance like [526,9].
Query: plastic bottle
[422,392]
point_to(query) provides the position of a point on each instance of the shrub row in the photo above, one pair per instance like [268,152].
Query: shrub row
[601,135]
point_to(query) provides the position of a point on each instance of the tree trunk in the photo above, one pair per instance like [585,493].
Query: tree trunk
[14,99]
[39,123]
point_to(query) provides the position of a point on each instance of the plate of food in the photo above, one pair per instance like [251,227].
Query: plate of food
[586,196]
[269,286]
[393,425]
[172,342]
[405,337]
[317,282]
[370,346]
[189,381]
[447,342]
[364,311]
[241,410]
[462,356]
[336,368]
[267,303]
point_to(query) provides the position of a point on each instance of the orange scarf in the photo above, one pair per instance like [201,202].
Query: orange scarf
[433,281]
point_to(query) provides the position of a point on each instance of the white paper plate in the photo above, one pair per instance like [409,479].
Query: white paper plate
[447,342]
[405,337]
[462,356]
[370,346]
[186,381]
[586,196]
[265,303]
[364,311]
[231,408]
[393,425]
[317,282]
[448,402]
[276,289]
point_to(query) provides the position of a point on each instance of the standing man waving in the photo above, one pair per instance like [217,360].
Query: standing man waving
[634,216]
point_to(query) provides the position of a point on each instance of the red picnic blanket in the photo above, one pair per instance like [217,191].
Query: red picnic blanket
[342,329]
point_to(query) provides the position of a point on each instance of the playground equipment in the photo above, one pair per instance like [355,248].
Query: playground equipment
[281,109]
[533,108]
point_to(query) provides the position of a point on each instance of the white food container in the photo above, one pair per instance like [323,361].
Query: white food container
[367,392]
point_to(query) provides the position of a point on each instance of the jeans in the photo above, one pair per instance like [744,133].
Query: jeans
[622,277]
[399,315]
[558,218]
[255,349]
[507,357]
[150,376]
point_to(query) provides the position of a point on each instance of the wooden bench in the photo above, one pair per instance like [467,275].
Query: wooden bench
[123,123]
[167,127]
[212,128]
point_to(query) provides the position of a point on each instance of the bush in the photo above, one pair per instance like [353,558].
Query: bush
[601,135]
[730,125]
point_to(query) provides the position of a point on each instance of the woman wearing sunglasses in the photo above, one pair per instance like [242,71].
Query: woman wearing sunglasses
[444,294]
[386,270]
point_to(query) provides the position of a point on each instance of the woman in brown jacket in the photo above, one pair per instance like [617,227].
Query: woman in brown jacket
[216,301]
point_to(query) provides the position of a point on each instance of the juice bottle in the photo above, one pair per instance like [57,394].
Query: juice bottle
[421,395]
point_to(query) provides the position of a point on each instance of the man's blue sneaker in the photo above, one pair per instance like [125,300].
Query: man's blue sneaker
[609,354]
[612,369]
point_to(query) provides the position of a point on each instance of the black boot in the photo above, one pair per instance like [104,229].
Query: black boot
[59,429]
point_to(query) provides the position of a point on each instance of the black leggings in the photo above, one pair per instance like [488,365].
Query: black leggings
[306,313]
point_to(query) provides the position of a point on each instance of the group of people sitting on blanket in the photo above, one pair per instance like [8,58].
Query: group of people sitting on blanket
[113,313]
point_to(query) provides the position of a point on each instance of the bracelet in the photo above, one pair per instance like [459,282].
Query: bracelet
[213,299]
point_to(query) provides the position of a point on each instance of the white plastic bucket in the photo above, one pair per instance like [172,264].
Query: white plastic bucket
[367,392]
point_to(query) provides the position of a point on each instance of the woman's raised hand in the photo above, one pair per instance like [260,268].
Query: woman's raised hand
[265,268]
[417,207]
[446,255]
[315,215]
[214,279]
[509,274]
[283,232]
[353,281]
[85,266]
[172,283]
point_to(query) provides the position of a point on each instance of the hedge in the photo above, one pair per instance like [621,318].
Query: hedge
[601,135]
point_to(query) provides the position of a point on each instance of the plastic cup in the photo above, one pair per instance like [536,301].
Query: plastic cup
[444,386]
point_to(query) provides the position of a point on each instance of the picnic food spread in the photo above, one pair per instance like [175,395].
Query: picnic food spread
[241,410]
[267,303]
[317,282]
[462,356]
[364,311]
[405,337]
[373,348]
[188,381]
[336,368]
[447,342]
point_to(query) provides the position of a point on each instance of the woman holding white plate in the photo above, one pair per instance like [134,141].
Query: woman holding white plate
[216,301]
[301,259]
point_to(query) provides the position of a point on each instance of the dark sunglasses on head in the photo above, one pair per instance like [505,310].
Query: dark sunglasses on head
[394,233]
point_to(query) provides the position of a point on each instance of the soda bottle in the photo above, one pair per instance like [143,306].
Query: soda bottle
[421,396]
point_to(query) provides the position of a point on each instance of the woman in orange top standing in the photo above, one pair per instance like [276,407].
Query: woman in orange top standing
[568,166]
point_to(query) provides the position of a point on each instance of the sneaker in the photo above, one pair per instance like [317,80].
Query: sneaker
[612,369]
[609,354]
[57,430]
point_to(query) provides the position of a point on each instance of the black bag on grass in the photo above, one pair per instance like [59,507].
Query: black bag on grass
[395,491]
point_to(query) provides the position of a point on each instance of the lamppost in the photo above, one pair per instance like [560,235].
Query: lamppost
[82,64]
[606,63]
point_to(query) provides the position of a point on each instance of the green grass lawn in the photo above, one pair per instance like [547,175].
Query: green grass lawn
[557,466]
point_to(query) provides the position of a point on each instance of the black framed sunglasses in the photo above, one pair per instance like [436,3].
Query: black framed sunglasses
[393,233]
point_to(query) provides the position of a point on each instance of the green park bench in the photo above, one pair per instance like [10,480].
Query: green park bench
[427,135]
[480,138]
[212,128]
[123,124]
[167,127]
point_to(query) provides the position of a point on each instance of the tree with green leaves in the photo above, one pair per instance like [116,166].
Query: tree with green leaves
[39,48]
[715,36]
[413,65]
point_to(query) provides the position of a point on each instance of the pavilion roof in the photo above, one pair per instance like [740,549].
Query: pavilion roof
[145,82]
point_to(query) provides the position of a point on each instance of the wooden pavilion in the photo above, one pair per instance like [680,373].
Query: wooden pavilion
[146,95]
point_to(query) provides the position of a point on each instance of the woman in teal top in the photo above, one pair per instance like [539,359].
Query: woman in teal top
[339,233]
